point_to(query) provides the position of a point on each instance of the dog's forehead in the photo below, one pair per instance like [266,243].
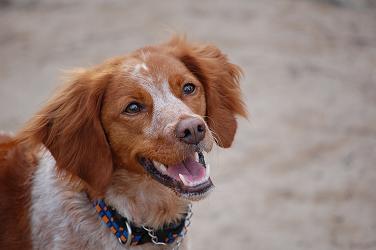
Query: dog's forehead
[155,73]
[153,69]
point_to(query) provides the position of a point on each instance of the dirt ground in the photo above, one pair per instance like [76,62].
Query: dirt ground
[301,174]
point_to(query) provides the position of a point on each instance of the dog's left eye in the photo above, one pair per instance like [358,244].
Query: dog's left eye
[133,108]
[188,88]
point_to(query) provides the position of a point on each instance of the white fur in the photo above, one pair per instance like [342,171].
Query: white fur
[138,67]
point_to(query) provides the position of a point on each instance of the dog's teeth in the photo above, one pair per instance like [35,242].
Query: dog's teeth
[201,159]
[197,182]
[207,172]
[163,168]
[160,166]
[196,157]
[185,182]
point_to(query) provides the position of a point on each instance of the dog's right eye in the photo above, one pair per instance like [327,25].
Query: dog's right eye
[188,88]
[133,108]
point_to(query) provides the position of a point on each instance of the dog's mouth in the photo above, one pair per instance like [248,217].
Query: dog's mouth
[189,178]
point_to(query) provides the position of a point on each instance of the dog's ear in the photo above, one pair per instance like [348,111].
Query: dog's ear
[221,82]
[70,127]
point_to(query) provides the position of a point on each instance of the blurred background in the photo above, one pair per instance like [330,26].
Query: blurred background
[301,173]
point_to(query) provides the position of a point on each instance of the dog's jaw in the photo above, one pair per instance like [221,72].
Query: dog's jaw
[143,200]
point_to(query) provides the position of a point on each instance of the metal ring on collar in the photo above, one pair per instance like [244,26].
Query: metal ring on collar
[129,238]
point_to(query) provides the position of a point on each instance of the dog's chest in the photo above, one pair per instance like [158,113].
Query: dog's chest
[62,218]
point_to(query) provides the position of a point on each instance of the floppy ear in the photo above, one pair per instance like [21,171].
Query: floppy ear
[70,127]
[221,82]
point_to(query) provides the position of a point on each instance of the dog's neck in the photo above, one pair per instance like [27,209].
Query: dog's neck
[138,197]
[143,200]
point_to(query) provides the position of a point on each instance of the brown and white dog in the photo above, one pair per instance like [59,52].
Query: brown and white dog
[128,131]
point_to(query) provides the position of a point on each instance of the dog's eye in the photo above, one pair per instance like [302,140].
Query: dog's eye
[133,108]
[188,88]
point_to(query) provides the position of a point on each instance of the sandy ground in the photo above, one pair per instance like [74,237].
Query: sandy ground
[301,174]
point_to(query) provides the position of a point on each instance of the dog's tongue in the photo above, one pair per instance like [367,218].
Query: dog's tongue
[190,168]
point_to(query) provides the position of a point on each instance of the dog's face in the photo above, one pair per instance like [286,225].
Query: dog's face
[154,112]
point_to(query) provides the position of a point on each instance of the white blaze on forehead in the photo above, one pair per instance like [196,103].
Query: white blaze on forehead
[138,67]
[138,70]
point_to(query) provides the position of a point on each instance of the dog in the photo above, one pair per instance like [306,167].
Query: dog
[115,157]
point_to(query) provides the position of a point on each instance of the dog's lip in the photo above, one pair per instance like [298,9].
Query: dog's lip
[192,186]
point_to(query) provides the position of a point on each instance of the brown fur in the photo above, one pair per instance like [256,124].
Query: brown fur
[84,132]
[16,167]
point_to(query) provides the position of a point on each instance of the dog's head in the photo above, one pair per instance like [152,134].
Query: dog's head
[153,112]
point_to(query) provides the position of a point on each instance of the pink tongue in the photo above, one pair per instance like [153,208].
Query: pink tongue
[190,168]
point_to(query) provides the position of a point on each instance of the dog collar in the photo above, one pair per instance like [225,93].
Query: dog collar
[130,235]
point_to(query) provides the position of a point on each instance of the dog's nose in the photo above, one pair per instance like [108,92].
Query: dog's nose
[190,130]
